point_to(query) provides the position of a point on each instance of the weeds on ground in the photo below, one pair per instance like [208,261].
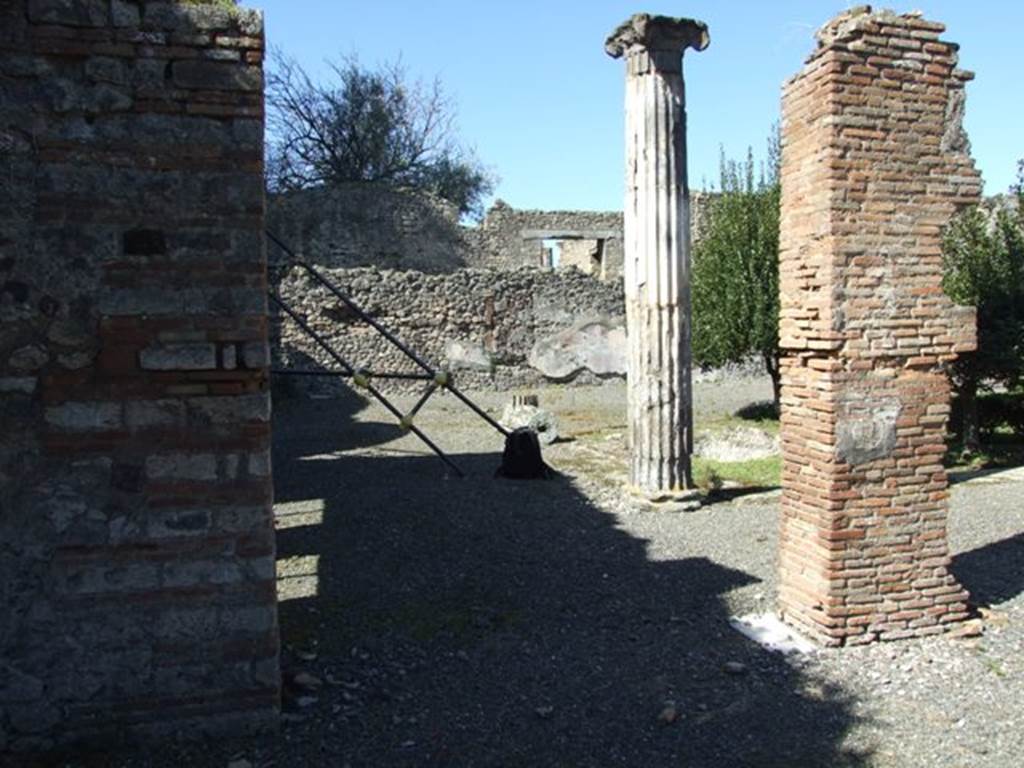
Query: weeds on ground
[712,475]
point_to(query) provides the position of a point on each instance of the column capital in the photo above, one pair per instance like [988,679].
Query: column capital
[665,37]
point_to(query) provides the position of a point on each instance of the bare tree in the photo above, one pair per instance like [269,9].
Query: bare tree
[367,125]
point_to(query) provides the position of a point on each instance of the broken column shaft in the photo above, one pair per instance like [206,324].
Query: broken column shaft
[657,249]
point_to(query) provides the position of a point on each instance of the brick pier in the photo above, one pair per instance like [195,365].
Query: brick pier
[874,164]
[137,590]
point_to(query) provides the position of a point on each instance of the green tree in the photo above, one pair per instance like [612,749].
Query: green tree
[983,261]
[367,125]
[736,269]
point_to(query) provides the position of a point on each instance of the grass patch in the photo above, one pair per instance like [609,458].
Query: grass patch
[755,473]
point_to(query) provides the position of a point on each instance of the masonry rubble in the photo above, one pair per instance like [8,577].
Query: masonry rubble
[875,161]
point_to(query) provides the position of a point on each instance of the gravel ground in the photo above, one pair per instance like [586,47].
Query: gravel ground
[431,621]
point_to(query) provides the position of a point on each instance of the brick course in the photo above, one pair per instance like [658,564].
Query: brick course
[874,164]
[136,538]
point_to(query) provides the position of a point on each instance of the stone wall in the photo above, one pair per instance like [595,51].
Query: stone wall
[370,224]
[137,589]
[362,224]
[509,238]
[492,328]
[874,163]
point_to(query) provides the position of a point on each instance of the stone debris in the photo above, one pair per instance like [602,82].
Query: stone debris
[736,444]
[966,630]
[541,421]
[669,713]
[307,681]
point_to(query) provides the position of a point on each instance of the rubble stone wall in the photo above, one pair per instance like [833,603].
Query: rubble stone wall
[483,324]
[874,164]
[361,224]
[366,225]
[137,591]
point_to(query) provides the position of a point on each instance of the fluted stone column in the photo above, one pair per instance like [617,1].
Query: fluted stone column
[657,249]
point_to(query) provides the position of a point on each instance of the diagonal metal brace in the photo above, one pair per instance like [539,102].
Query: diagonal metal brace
[368,386]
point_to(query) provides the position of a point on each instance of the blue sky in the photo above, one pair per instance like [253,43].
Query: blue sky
[541,102]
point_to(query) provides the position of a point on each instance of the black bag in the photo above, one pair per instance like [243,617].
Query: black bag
[521,459]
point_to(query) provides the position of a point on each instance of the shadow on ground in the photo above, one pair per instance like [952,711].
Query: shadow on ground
[993,573]
[495,622]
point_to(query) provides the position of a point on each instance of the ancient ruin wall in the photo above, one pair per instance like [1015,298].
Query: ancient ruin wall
[361,224]
[136,539]
[509,237]
[483,324]
[874,163]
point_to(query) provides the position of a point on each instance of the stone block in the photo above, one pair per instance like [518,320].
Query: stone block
[229,357]
[25,385]
[255,355]
[237,409]
[147,414]
[70,96]
[259,464]
[28,359]
[182,466]
[86,417]
[189,574]
[104,69]
[172,523]
[124,14]
[71,13]
[179,357]
[250,620]
[216,76]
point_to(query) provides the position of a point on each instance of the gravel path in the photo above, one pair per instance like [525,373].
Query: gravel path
[483,622]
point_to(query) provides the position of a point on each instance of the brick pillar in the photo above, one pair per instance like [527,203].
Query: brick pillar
[137,590]
[657,249]
[874,163]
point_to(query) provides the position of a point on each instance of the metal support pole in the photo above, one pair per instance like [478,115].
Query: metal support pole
[369,387]
[348,374]
[387,334]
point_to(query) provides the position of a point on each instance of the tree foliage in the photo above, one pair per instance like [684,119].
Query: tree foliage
[983,261]
[367,125]
[736,269]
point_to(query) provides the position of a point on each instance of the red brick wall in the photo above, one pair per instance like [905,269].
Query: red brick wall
[874,163]
[136,537]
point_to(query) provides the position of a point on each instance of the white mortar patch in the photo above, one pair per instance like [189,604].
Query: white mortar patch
[768,631]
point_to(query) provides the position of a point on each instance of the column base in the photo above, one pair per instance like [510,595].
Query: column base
[669,501]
